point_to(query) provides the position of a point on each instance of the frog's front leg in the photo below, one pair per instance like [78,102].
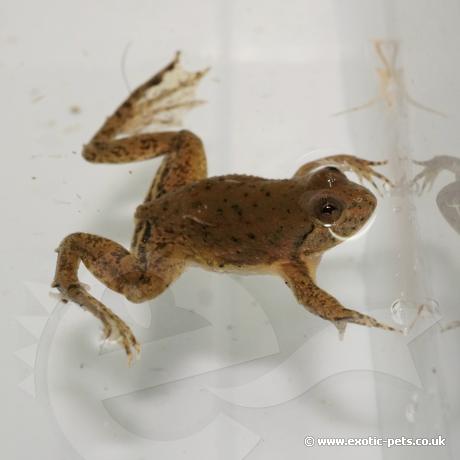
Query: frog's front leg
[119,270]
[348,163]
[320,303]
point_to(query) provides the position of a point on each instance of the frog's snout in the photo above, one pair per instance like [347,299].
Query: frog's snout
[361,204]
[364,199]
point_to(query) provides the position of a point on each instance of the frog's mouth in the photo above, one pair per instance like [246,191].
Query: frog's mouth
[337,236]
[360,232]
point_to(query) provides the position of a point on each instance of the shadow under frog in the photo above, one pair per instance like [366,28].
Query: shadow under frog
[231,223]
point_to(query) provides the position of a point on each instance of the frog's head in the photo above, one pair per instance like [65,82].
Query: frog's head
[338,207]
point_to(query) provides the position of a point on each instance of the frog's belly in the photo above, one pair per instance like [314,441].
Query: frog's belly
[236,252]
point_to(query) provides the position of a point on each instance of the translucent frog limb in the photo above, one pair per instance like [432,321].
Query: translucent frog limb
[431,169]
[425,178]
[391,82]
[349,163]
[452,325]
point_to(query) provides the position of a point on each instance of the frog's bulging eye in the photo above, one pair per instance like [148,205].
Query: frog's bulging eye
[333,169]
[326,209]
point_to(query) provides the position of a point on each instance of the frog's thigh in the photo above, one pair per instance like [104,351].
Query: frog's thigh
[319,302]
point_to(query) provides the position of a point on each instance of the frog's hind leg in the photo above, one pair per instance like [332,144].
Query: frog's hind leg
[320,303]
[119,270]
[160,101]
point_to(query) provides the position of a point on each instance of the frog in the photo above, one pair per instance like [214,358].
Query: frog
[392,89]
[231,223]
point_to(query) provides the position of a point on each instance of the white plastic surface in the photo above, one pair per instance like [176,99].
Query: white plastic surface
[232,367]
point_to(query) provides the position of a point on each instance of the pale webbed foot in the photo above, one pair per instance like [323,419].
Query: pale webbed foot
[362,168]
[116,330]
[428,175]
[452,325]
[164,98]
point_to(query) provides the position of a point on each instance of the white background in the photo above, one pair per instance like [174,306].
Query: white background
[279,71]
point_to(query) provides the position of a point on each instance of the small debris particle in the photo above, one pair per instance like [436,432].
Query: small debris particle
[74,109]
[34,177]
[130,172]
[38,98]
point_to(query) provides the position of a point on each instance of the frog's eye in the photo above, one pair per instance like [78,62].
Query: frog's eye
[326,209]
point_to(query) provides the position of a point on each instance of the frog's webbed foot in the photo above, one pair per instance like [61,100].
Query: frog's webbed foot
[428,175]
[114,328]
[163,99]
[364,169]
[345,316]
[451,325]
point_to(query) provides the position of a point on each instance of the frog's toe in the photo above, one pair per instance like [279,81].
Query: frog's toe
[115,330]
[361,319]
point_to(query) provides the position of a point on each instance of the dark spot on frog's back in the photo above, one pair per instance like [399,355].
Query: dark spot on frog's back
[237,208]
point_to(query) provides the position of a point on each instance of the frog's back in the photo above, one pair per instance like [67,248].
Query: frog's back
[236,219]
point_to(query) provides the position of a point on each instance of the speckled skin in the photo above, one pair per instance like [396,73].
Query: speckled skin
[227,223]
[240,222]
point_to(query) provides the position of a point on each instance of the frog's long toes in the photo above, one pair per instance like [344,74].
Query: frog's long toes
[133,350]
[131,345]
[363,320]
[372,322]
[377,163]
[165,100]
